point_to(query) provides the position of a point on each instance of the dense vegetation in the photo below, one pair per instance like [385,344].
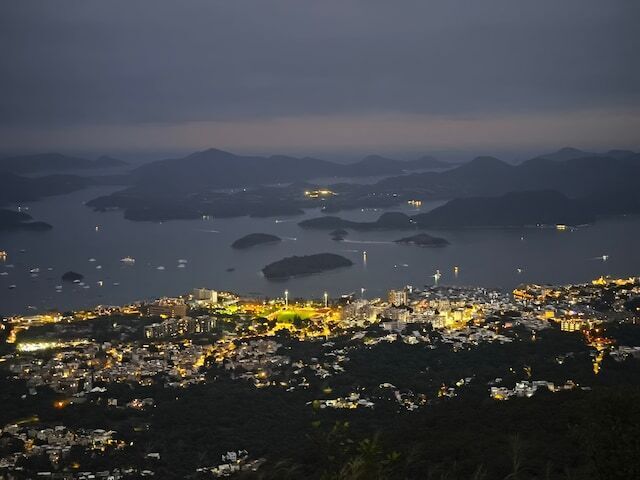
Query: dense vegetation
[570,435]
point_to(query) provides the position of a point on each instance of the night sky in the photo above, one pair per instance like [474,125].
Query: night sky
[311,76]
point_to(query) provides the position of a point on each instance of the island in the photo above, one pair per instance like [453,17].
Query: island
[339,234]
[423,240]
[304,265]
[11,221]
[71,276]
[254,239]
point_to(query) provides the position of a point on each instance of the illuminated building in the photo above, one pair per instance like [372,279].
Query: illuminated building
[205,295]
[166,308]
[179,327]
[319,193]
[398,297]
[573,324]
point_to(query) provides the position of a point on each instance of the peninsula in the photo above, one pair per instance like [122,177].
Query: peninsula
[254,239]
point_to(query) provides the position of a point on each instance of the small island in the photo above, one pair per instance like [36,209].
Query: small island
[304,265]
[423,240]
[71,276]
[254,239]
[339,234]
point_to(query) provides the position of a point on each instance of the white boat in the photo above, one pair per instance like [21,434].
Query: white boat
[34,270]
[181,265]
[11,287]
[92,259]
[160,267]
[182,261]
[128,260]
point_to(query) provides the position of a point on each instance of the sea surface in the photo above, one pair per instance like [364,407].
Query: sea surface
[94,243]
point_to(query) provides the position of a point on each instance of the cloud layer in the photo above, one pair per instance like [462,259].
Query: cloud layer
[392,69]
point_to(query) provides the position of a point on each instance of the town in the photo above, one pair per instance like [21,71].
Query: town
[313,349]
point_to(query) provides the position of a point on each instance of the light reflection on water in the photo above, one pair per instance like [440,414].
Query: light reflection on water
[489,257]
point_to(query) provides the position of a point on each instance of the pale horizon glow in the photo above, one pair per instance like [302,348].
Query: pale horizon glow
[587,129]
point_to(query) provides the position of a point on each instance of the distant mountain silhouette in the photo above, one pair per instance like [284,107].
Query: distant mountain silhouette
[488,176]
[16,188]
[215,168]
[53,162]
[185,188]
[566,153]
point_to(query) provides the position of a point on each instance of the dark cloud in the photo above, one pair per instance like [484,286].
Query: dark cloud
[122,62]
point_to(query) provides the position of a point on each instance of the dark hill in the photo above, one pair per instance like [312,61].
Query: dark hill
[15,188]
[53,162]
[487,176]
[215,168]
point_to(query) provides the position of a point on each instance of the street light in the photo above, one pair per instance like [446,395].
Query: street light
[286,298]
[326,299]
